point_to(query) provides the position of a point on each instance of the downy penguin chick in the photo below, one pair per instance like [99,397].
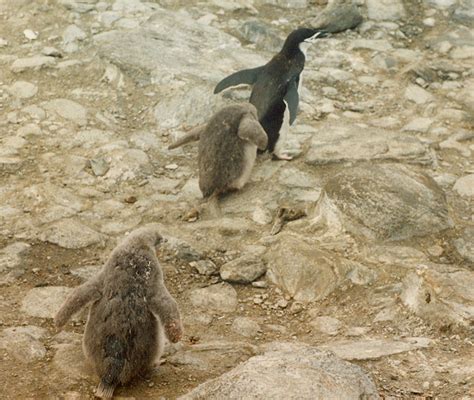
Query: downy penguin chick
[227,148]
[130,309]
[276,86]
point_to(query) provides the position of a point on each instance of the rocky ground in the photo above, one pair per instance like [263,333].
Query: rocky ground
[363,245]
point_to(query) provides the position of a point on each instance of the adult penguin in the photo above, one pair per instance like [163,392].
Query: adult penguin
[275,86]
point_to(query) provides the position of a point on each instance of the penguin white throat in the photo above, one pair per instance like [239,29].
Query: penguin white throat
[304,46]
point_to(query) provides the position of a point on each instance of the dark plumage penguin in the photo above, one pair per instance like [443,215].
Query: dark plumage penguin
[275,86]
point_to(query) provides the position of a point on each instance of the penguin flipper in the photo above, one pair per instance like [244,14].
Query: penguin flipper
[292,99]
[251,131]
[192,136]
[245,76]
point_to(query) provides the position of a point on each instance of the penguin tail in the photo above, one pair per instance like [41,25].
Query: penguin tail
[104,390]
[113,364]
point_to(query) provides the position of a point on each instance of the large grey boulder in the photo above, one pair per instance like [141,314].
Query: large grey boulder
[289,372]
[186,65]
[384,202]
[337,17]
[150,51]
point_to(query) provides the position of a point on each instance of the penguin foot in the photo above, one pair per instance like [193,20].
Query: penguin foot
[284,157]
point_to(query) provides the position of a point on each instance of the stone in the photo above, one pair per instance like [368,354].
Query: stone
[51,51]
[420,124]
[465,244]
[70,234]
[30,35]
[23,343]
[295,371]
[371,44]
[245,326]
[385,9]
[443,4]
[327,325]
[99,166]
[67,109]
[417,94]
[23,90]
[305,272]
[372,349]
[338,142]
[32,63]
[71,36]
[79,6]
[337,17]
[244,269]
[464,186]
[182,250]
[440,294]
[357,330]
[390,202]
[11,255]
[463,14]
[284,3]
[205,267]
[44,302]
[214,356]
[35,112]
[261,215]
[215,298]
[263,36]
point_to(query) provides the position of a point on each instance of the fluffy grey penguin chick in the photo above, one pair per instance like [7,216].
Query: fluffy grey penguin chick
[227,148]
[130,309]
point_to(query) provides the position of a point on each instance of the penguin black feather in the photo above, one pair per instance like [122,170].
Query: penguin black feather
[275,85]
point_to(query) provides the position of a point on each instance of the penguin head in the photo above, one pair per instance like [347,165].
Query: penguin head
[301,39]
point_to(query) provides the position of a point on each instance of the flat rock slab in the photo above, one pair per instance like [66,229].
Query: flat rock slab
[289,372]
[389,202]
[32,63]
[338,143]
[22,343]
[70,234]
[440,294]
[69,360]
[217,298]
[371,349]
[44,302]
[67,109]
[215,356]
[23,90]
[385,9]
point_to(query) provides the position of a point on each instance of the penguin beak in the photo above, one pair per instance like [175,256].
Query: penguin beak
[320,34]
